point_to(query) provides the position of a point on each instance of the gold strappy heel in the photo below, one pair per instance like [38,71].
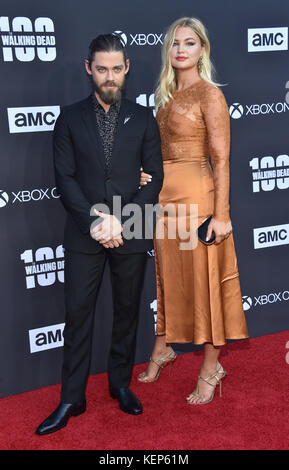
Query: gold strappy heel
[196,394]
[161,363]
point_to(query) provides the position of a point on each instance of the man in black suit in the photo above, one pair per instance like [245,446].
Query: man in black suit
[100,144]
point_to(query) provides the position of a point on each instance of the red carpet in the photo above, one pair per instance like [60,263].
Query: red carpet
[252,414]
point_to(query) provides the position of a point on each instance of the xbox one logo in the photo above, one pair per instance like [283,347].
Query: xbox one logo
[4,198]
[247,302]
[122,36]
[236,110]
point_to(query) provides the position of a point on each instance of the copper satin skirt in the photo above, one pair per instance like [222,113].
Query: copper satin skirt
[198,290]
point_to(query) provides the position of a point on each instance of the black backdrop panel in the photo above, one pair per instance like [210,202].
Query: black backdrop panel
[43,47]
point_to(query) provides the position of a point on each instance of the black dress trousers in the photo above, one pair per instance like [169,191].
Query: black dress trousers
[83,275]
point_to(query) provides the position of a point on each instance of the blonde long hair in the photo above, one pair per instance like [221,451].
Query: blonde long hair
[167,79]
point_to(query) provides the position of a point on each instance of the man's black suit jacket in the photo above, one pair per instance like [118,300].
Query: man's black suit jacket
[80,168]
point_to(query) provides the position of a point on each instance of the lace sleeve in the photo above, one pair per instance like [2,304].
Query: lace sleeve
[217,119]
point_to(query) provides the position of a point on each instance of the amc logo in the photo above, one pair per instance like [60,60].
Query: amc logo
[36,119]
[267,39]
[275,235]
[49,337]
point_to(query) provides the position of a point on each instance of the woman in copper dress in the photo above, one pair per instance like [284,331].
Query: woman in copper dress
[198,290]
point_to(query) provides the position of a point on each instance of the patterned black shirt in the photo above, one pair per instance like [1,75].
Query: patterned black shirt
[107,123]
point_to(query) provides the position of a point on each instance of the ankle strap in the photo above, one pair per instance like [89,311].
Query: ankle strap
[214,376]
[162,359]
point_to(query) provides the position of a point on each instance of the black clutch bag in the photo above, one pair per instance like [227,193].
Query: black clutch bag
[202,232]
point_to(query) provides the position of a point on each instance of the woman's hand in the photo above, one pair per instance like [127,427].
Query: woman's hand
[222,230]
[145,178]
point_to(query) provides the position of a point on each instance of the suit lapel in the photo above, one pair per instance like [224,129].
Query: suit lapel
[90,122]
[123,113]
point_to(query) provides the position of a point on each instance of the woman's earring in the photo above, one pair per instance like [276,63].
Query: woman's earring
[200,63]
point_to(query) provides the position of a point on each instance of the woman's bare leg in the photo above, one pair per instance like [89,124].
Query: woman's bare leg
[161,349]
[208,368]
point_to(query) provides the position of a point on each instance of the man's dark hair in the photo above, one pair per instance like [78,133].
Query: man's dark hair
[105,43]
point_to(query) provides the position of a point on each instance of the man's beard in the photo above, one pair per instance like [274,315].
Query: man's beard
[109,96]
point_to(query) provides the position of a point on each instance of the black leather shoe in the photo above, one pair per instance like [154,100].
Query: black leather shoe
[128,402]
[59,418]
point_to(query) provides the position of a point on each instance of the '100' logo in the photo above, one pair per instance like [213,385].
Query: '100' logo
[27,39]
[269,173]
[44,266]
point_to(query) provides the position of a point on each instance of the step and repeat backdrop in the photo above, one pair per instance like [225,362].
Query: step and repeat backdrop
[43,48]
